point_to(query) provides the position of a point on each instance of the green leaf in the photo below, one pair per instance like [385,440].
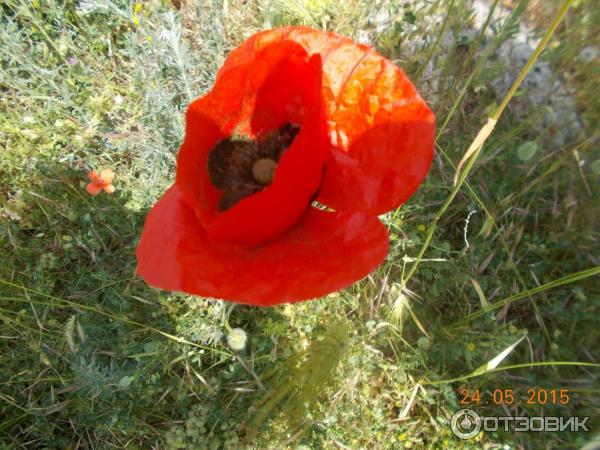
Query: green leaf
[151,347]
[527,150]
[125,382]
[480,294]
[492,364]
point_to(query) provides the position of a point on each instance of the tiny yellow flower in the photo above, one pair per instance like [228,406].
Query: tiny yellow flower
[421,228]
[149,39]
[135,21]
[471,347]
[137,8]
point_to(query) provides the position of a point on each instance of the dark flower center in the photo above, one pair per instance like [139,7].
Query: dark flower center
[241,167]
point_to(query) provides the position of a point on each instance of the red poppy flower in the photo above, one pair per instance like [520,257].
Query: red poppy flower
[295,115]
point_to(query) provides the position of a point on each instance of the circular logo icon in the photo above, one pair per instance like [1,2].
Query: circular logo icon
[465,423]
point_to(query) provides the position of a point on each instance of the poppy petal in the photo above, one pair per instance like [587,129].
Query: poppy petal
[381,130]
[384,138]
[93,188]
[284,86]
[268,213]
[322,253]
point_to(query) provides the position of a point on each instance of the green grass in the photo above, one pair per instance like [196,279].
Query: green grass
[91,357]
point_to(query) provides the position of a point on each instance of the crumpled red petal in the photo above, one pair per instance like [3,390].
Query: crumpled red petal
[381,130]
[322,253]
[290,94]
[281,85]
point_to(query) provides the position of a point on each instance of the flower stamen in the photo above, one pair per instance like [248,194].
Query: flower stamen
[241,167]
[263,170]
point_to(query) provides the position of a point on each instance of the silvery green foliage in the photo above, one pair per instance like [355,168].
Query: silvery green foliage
[177,54]
[93,377]
[86,7]
[172,68]
[164,67]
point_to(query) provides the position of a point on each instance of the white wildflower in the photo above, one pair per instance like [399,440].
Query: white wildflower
[236,339]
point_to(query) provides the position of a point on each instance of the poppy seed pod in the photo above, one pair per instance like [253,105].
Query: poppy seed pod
[295,115]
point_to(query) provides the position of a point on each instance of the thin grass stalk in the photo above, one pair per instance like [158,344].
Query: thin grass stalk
[435,45]
[480,139]
[510,367]
[571,278]
[487,52]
